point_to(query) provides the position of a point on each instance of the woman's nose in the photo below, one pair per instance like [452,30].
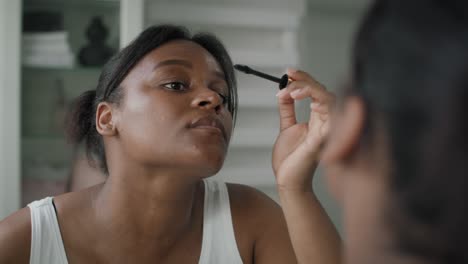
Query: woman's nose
[208,99]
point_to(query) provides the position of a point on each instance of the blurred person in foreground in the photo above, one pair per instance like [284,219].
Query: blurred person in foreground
[395,149]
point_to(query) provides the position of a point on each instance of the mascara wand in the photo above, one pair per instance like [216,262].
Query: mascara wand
[283,81]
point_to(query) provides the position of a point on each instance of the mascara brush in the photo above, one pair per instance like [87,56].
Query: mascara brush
[283,81]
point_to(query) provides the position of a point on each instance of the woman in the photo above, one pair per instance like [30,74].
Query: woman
[396,156]
[158,124]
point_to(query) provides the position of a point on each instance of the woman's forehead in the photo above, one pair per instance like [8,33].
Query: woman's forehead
[185,52]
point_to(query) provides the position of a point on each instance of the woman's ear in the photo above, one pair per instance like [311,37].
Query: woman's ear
[346,129]
[345,132]
[105,123]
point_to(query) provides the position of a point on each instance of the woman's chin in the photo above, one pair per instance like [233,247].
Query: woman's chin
[207,165]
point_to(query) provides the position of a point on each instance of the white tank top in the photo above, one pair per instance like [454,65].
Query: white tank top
[218,244]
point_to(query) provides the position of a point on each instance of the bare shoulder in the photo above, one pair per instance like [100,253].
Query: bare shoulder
[15,237]
[259,219]
[248,200]
[254,210]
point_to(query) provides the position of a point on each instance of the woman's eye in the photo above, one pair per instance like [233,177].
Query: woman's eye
[224,98]
[177,86]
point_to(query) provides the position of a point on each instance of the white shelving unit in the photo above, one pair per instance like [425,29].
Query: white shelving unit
[240,15]
[11,142]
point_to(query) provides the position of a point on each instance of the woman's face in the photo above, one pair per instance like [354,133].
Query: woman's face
[174,111]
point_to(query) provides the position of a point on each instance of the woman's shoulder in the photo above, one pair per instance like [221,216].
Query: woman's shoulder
[261,219]
[73,204]
[250,199]
[252,208]
[15,237]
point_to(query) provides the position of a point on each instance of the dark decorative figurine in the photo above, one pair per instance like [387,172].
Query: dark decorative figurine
[96,52]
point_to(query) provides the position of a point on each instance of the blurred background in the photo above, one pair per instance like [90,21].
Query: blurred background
[53,50]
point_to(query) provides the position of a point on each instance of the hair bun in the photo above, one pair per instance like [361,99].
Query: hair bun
[80,118]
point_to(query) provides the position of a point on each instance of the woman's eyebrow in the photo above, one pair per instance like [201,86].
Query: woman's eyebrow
[187,64]
[184,63]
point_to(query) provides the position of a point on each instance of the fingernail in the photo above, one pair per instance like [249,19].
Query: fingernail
[296,92]
[279,93]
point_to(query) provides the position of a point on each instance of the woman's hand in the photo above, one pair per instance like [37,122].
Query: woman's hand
[297,149]
[295,157]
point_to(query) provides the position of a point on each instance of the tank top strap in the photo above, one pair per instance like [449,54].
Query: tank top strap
[219,241]
[46,239]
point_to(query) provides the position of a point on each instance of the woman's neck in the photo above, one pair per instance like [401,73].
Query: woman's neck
[163,208]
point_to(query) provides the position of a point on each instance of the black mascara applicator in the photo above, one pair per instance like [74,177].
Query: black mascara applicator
[283,81]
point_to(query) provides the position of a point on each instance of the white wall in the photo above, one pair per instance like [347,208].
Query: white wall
[10,13]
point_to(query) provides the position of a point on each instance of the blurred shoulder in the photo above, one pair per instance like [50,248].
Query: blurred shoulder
[15,237]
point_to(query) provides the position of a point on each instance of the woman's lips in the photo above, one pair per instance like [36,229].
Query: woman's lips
[209,123]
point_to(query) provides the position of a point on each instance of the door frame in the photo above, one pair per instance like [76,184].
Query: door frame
[10,98]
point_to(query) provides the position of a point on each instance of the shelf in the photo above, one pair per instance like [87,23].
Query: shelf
[71,3]
[40,143]
[74,17]
[62,69]
[45,158]
[217,15]
[50,138]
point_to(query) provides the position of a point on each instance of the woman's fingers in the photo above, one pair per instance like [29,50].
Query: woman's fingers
[323,109]
[307,86]
[301,76]
[304,89]
[303,86]
[286,109]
